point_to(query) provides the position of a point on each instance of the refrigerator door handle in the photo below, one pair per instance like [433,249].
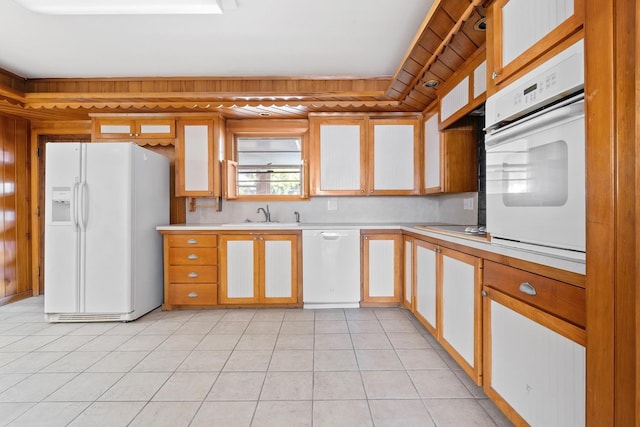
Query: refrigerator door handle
[74,205]
[83,205]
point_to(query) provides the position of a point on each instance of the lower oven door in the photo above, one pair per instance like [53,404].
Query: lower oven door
[536,182]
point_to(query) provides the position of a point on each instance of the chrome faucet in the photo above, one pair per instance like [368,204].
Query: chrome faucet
[267,214]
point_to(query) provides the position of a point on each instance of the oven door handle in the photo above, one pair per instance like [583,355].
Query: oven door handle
[544,118]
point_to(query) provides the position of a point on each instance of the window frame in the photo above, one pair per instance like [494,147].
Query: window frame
[267,128]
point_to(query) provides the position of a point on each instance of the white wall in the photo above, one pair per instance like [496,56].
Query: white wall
[410,209]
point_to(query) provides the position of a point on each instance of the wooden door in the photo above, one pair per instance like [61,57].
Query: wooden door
[381,267]
[279,269]
[426,295]
[239,269]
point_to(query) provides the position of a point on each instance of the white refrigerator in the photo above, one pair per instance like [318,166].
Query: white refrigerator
[102,254]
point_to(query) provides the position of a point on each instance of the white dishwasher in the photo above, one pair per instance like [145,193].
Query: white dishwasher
[331,268]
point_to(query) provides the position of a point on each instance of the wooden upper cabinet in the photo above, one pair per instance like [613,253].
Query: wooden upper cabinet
[450,158]
[520,31]
[338,156]
[358,156]
[197,166]
[394,156]
[133,128]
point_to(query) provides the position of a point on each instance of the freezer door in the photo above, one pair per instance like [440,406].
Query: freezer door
[105,217]
[62,236]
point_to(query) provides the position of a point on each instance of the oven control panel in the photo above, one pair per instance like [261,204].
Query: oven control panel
[560,76]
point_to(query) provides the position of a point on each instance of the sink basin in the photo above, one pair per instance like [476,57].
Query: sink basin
[262,224]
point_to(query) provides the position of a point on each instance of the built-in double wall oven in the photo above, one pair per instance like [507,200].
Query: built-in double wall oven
[535,159]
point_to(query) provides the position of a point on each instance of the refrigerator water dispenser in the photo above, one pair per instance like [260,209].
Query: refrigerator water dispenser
[61,204]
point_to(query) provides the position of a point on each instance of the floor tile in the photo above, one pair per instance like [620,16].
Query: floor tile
[408,340]
[334,360]
[400,413]
[118,361]
[333,342]
[388,385]
[474,389]
[135,386]
[257,360]
[331,327]
[458,412]
[330,314]
[341,413]
[242,315]
[364,327]
[29,343]
[186,386]
[55,414]
[421,359]
[227,414]
[67,343]
[237,386]
[205,361]
[378,360]
[9,380]
[257,342]
[397,325]
[93,328]
[219,342]
[390,313]
[282,413]
[496,415]
[143,343]
[180,342]
[86,387]
[370,341]
[263,327]
[32,362]
[195,328]
[440,383]
[294,342]
[287,386]
[360,314]
[12,410]
[128,328]
[75,361]
[162,328]
[299,315]
[169,414]
[105,343]
[297,327]
[337,386]
[162,361]
[108,414]
[35,387]
[270,314]
[230,327]
[291,360]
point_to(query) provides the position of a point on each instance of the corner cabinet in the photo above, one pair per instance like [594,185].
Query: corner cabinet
[197,165]
[362,156]
[257,268]
[450,158]
[534,347]
[381,268]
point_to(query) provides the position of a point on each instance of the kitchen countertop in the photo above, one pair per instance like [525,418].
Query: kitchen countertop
[430,230]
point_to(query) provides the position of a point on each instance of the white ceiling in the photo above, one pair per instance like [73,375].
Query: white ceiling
[357,38]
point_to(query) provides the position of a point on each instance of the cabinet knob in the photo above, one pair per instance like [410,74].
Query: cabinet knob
[193,275]
[192,256]
[192,295]
[527,288]
[192,241]
[494,75]
[437,250]
[483,293]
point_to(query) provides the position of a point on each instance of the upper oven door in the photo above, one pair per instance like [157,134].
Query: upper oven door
[536,179]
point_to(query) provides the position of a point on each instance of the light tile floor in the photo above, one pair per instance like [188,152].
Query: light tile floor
[242,367]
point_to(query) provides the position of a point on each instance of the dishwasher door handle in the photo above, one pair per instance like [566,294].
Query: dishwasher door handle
[332,236]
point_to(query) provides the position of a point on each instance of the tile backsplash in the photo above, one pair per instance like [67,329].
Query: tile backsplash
[396,209]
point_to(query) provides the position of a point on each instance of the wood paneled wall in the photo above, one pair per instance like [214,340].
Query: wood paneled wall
[15,259]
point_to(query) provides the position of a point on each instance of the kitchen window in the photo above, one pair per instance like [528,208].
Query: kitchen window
[267,160]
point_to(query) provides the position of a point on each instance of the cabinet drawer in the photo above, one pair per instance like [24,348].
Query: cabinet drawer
[192,294]
[193,274]
[193,240]
[193,256]
[558,298]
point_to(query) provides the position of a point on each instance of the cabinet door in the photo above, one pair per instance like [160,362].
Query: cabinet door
[381,268]
[408,273]
[522,30]
[461,313]
[155,128]
[426,266]
[280,269]
[431,155]
[459,162]
[239,269]
[195,159]
[394,157]
[539,373]
[338,148]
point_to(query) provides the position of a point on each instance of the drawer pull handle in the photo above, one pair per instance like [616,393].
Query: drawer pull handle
[192,241]
[193,275]
[192,256]
[193,295]
[527,288]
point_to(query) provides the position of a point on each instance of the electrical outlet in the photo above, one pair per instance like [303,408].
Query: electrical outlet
[332,204]
[468,204]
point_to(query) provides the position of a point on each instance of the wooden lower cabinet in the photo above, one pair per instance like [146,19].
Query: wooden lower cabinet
[426,279]
[534,361]
[381,268]
[190,270]
[460,314]
[259,269]
[408,279]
